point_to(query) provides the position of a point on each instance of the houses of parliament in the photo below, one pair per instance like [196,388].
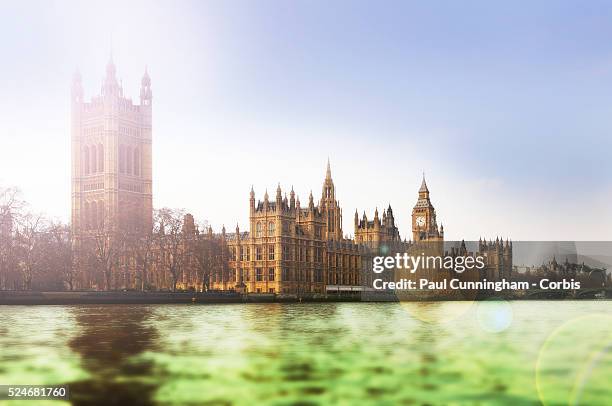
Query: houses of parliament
[289,247]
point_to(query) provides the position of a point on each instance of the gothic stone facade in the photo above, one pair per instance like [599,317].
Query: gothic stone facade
[111,157]
[288,249]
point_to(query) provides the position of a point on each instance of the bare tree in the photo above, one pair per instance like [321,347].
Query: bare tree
[171,242]
[31,238]
[143,252]
[104,243]
[11,207]
[61,253]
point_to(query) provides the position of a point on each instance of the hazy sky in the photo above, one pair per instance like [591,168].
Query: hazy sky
[506,106]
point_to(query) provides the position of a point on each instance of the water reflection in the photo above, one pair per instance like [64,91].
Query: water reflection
[328,353]
[108,339]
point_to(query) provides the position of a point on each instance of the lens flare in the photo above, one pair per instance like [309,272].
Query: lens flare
[571,365]
[494,316]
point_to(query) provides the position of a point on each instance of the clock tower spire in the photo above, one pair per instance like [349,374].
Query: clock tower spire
[424,225]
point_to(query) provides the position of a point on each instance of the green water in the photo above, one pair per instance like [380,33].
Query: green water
[308,354]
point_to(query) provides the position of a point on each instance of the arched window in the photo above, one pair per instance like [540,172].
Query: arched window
[271,228]
[85,161]
[128,154]
[121,159]
[258,228]
[136,162]
[94,215]
[94,159]
[100,158]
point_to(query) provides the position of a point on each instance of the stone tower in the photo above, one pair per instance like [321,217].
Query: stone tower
[424,225]
[111,158]
[330,208]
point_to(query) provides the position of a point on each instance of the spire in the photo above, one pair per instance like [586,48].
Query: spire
[110,85]
[76,76]
[146,79]
[252,194]
[328,173]
[423,188]
[110,67]
[292,198]
[77,87]
[146,95]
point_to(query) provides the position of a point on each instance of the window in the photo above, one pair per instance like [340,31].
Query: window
[136,162]
[86,161]
[94,160]
[258,229]
[258,275]
[271,290]
[271,253]
[248,254]
[286,255]
[271,274]
[258,253]
[100,158]
[285,274]
[121,159]
[271,228]
[242,253]
[128,162]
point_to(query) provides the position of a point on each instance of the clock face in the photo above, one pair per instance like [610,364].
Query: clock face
[420,221]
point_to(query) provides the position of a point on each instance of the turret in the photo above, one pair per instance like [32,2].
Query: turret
[110,86]
[146,95]
[77,88]
[252,200]
[292,199]
[266,202]
[279,198]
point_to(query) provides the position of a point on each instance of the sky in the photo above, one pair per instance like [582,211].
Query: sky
[505,106]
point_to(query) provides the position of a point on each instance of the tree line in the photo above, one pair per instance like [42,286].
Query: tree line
[40,253]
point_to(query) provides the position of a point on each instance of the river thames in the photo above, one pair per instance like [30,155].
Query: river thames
[492,352]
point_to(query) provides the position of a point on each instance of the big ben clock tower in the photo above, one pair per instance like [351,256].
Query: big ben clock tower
[424,225]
